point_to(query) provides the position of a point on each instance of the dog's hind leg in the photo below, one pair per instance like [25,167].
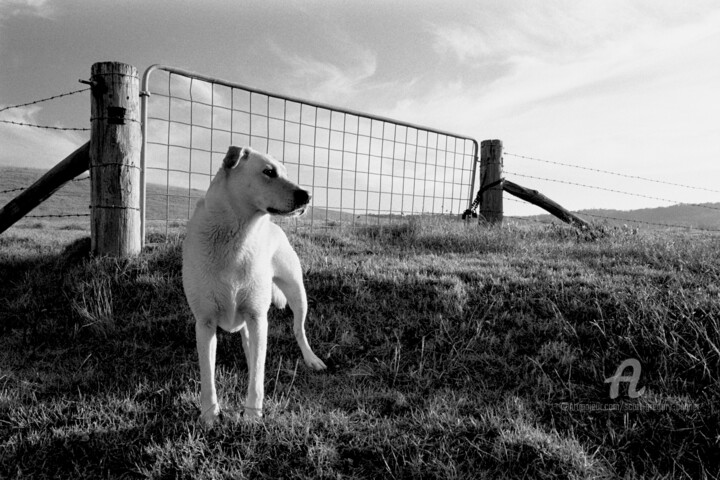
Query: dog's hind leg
[206,339]
[288,277]
[298,304]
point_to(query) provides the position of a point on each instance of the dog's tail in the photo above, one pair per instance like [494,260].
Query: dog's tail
[278,297]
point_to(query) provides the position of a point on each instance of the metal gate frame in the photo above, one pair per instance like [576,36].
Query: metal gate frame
[145,95]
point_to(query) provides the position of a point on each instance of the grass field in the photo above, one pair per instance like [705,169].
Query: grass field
[454,352]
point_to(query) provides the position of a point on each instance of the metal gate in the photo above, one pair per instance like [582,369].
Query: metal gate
[360,168]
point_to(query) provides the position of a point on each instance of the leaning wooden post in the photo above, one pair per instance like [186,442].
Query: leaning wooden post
[537,198]
[491,197]
[115,143]
[73,165]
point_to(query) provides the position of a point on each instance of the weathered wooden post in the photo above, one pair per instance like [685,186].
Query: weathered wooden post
[115,143]
[491,188]
[537,198]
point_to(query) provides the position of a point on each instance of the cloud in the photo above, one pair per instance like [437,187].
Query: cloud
[562,56]
[329,80]
[630,92]
[33,147]
[14,8]
[465,42]
[555,31]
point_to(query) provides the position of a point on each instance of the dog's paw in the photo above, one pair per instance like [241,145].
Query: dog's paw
[210,415]
[315,363]
[253,414]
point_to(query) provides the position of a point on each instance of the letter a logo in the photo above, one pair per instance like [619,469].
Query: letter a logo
[633,379]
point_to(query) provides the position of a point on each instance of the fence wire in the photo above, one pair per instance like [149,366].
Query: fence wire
[609,172]
[360,168]
[624,220]
[69,199]
[634,194]
[46,127]
[35,102]
[611,190]
[77,196]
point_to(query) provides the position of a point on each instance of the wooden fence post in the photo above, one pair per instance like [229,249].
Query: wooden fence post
[115,143]
[491,198]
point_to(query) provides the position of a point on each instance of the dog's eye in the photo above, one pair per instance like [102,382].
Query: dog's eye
[270,172]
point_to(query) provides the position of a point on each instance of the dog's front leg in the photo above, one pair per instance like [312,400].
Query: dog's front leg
[206,339]
[257,330]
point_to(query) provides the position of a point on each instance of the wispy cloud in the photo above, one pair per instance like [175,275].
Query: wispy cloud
[626,91]
[329,80]
[465,42]
[559,55]
[13,8]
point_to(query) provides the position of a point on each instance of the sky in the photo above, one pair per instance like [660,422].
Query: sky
[628,86]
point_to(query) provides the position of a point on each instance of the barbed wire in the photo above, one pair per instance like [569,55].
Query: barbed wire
[44,99]
[12,190]
[59,215]
[700,205]
[77,129]
[590,169]
[19,189]
[47,127]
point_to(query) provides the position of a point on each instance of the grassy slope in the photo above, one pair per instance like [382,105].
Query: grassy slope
[454,351]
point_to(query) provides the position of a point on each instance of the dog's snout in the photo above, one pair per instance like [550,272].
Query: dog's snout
[302,197]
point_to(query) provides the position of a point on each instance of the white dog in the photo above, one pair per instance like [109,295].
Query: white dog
[236,262]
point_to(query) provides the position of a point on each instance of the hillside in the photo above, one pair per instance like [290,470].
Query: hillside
[74,198]
[704,216]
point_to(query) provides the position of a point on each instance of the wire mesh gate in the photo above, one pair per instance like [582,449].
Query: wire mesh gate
[360,168]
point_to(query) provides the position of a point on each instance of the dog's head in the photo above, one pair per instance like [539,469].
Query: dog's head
[259,181]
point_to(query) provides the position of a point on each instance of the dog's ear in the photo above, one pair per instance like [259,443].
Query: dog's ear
[234,155]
